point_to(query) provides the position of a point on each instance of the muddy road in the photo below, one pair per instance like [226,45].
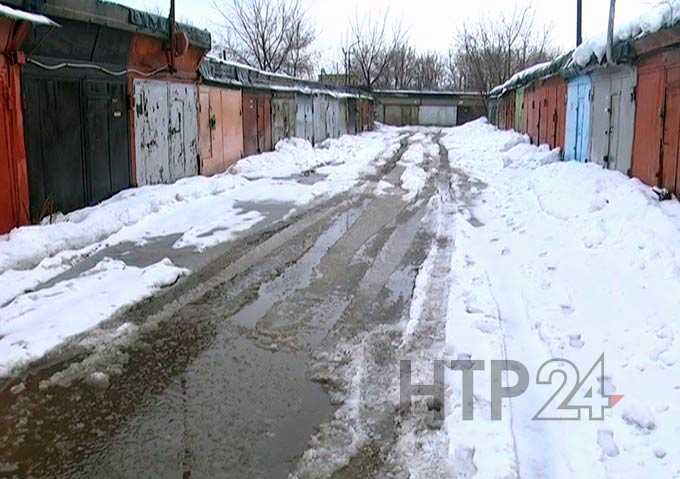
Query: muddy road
[233,371]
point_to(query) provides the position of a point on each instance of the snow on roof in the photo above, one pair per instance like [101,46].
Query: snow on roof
[248,67]
[518,77]
[9,12]
[426,92]
[291,84]
[663,15]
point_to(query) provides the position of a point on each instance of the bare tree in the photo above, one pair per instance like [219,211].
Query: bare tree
[272,35]
[400,70]
[429,72]
[372,47]
[489,51]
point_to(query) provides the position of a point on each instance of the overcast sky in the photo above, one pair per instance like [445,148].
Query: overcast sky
[430,23]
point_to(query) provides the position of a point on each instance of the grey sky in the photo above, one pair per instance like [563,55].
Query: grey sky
[430,23]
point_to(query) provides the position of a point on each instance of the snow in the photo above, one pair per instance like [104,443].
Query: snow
[563,260]
[662,15]
[518,77]
[196,213]
[414,177]
[651,19]
[6,11]
[37,322]
[307,87]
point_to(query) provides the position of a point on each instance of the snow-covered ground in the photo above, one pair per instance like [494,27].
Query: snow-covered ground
[530,259]
[202,212]
[562,260]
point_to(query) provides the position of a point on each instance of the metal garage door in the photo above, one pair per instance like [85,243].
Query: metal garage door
[437,115]
[77,141]
[166,131]
[304,117]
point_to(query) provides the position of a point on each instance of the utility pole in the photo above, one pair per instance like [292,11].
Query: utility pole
[579,22]
[610,32]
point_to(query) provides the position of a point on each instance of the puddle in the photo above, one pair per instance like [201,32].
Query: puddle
[299,275]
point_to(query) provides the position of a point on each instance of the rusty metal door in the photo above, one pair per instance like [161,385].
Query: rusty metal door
[518,121]
[231,128]
[264,122]
[8,203]
[215,124]
[221,129]
[532,112]
[561,113]
[14,194]
[206,122]
[671,132]
[544,116]
[304,117]
[649,123]
[250,136]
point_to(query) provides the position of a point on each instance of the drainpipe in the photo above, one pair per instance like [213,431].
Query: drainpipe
[610,33]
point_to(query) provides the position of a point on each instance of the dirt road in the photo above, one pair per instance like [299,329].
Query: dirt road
[233,371]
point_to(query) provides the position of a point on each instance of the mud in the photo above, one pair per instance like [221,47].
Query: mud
[220,375]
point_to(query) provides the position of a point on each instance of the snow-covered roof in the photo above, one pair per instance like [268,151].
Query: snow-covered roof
[9,12]
[426,92]
[519,78]
[663,15]
[592,52]
[235,74]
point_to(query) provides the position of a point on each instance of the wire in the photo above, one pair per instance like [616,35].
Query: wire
[60,66]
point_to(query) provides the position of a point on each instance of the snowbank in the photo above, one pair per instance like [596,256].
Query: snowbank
[37,322]
[564,260]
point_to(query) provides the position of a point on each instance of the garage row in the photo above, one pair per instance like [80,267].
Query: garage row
[622,114]
[95,98]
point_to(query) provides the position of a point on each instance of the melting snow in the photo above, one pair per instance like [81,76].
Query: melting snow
[564,260]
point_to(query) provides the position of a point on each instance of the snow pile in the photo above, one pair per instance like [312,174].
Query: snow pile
[564,260]
[519,78]
[662,15]
[291,156]
[37,322]
[25,247]
[201,209]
